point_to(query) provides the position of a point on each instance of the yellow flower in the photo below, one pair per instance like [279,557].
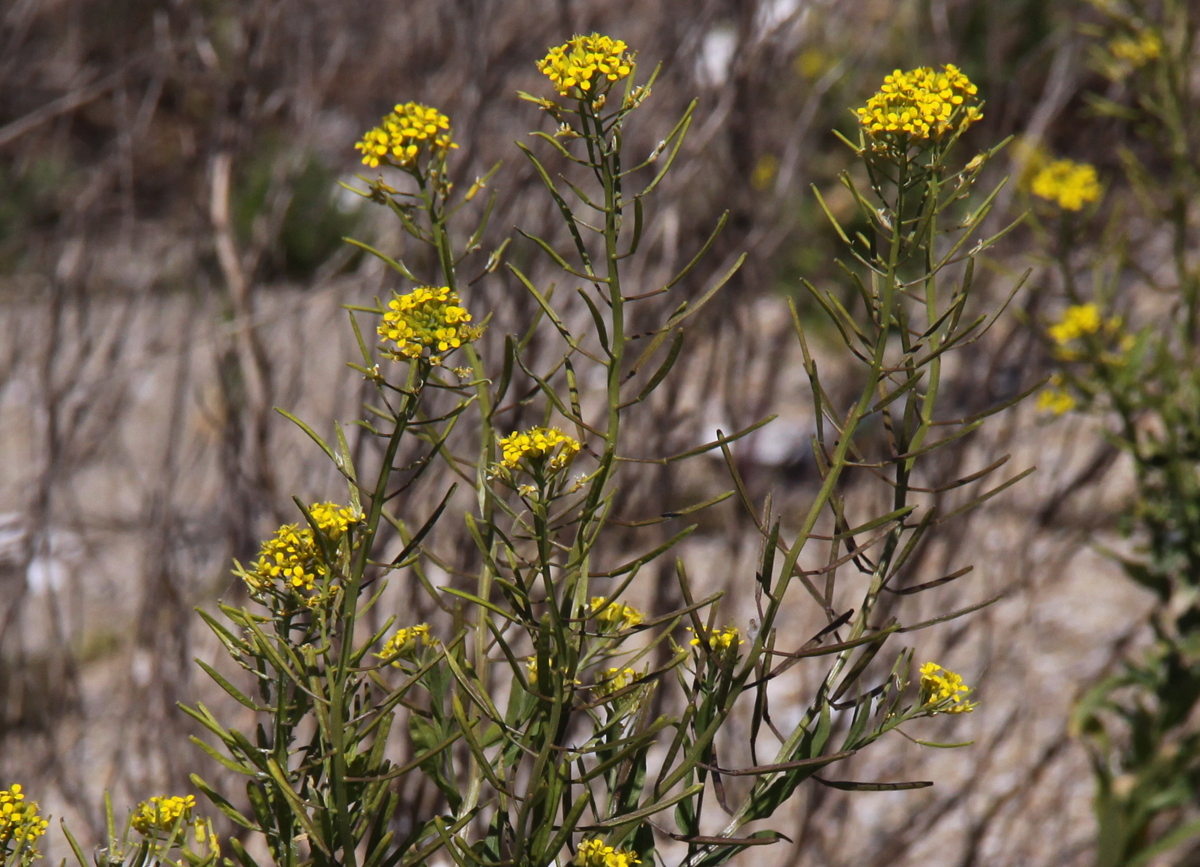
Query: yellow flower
[404,133]
[595,853]
[290,559]
[720,640]
[1070,184]
[535,445]
[939,685]
[1055,400]
[20,824]
[160,814]
[615,679]
[1077,320]
[920,105]
[404,644]
[1136,50]
[333,520]
[616,616]
[764,172]
[586,65]
[429,317]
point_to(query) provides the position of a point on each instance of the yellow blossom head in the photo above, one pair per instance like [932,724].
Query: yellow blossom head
[428,318]
[406,643]
[939,686]
[1135,51]
[404,134]
[20,825]
[586,66]
[161,814]
[1068,184]
[290,560]
[1077,321]
[333,520]
[615,680]
[595,853]
[920,105]
[720,640]
[1056,400]
[615,616]
[538,448]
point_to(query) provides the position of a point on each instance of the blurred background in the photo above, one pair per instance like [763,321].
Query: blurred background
[171,269]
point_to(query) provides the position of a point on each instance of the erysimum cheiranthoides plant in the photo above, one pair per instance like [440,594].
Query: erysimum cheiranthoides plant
[1125,346]
[533,705]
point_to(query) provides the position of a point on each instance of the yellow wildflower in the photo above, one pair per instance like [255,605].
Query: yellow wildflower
[404,644]
[160,814]
[766,167]
[291,558]
[720,640]
[535,445]
[404,133]
[1070,184]
[586,65]
[1054,398]
[1137,50]
[939,685]
[616,616]
[429,317]
[919,105]
[595,853]
[1077,320]
[20,825]
[615,679]
[333,520]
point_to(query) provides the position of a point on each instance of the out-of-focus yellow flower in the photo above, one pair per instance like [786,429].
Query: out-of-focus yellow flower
[919,105]
[618,615]
[428,318]
[595,853]
[1070,184]
[20,825]
[586,65]
[766,167]
[404,133]
[161,813]
[405,644]
[939,685]
[1077,320]
[536,445]
[1136,50]
[1054,398]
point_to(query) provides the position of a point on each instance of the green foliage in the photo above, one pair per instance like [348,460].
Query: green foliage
[1144,382]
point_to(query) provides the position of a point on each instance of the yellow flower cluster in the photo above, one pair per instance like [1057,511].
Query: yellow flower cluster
[405,643]
[536,444]
[1077,320]
[292,558]
[921,104]
[595,853]
[333,520]
[1136,50]
[586,65]
[938,685]
[720,640]
[616,616]
[429,317]
[403,133]
[1068,183]
[1054,398]
[160,814]
[20,823]
[615,679]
